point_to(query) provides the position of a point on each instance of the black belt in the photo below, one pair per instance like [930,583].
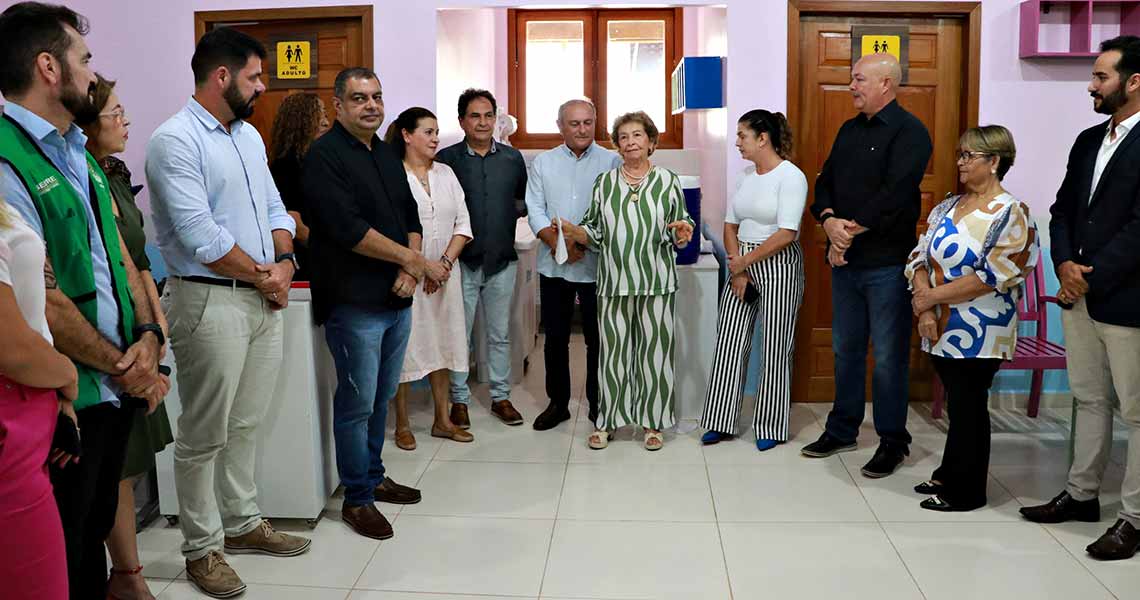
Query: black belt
[230,283]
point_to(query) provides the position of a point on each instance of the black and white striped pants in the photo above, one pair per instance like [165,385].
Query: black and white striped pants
[780,280]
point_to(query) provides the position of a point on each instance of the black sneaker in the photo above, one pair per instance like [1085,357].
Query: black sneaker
[886,460]
[825,446]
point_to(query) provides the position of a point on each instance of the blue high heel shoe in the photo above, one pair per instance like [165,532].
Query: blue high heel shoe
[763,445]
[711,437]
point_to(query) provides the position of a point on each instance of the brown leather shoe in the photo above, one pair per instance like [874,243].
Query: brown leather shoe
[266,540]
[214,576]
[506,412]
[393,493]
[405,440]
[367,521]
[459,416]
[1120,542]
[454,434]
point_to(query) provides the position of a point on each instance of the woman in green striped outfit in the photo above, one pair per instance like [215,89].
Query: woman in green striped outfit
[636,216]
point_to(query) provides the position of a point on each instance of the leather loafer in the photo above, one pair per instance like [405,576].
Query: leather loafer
[1063,508]
[886,460]
[367,521]
[1118,543]
[459,416]
[393,493]
[506,412]
[551,417]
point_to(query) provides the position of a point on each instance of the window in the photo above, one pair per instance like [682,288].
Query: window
[621,59]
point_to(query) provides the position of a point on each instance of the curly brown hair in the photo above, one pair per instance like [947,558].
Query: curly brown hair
[296,124]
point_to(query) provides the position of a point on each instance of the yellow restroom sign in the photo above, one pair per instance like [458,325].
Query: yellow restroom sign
[294,59]
[882,44]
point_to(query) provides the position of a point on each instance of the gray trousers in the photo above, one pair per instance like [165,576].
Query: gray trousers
[1104,366]
[228,347]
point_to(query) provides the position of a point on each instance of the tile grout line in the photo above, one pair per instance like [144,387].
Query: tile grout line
[719,533]
[558,504]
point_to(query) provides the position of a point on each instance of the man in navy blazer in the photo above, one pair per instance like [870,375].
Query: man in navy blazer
[1095,234]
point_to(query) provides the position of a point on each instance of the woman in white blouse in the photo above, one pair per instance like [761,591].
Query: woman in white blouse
[438,342]
[36,384]
[766,265]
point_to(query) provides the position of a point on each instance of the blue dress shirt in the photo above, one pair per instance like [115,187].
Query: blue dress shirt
[562,184]
[68,154]
[211,189]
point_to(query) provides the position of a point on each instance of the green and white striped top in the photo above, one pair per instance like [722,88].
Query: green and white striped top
[636,250]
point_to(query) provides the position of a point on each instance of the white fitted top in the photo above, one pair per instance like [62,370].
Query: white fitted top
[764,204]
[22,269]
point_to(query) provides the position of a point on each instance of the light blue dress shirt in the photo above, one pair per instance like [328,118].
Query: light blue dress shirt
[209,190]
[68,155]
[561,185]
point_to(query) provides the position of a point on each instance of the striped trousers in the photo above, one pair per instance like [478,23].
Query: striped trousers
[780,280]
[636,362]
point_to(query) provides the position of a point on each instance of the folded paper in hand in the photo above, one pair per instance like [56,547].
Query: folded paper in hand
[561,255]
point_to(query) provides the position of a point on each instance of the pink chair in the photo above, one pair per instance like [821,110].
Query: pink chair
[1035,353]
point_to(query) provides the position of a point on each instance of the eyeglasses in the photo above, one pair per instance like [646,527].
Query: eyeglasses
[967,156]
[118,115]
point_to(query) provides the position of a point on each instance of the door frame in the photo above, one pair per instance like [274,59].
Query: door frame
[205,18]
[969,12]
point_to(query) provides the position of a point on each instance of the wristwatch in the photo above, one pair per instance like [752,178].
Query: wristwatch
[289,256]
[154,328]
[824,217]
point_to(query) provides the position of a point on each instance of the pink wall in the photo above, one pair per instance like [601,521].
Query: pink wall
[146,45]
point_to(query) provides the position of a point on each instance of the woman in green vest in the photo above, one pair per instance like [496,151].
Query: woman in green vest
[106,136]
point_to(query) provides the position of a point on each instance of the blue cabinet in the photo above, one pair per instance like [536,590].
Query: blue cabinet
[698,82]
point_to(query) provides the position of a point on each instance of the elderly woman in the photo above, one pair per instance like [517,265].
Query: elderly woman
[966,274]
[438,342]
[761,230]
[300,119]
[107,135]
[635,218]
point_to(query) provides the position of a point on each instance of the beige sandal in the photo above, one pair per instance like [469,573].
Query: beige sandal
[599,439]
[654,440]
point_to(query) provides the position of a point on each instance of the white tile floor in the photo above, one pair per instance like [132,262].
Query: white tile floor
[522,514]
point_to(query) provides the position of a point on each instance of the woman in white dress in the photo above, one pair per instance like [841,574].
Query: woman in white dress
[439,340]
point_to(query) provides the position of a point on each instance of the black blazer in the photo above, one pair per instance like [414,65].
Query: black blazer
[1103,233]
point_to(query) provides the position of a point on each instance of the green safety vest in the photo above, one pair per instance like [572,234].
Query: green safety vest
[66,237]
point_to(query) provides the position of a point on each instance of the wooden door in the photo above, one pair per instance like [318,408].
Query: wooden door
[344,39]
[934,94]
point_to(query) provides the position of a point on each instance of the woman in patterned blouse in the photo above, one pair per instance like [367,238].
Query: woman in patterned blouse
[636,216]
[966,273]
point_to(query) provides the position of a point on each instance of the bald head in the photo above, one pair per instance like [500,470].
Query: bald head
[875,80]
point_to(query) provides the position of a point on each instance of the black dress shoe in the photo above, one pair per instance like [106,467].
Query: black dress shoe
[551,417]
[928,488]
[825,446]
[887,458]
[393,493]
[1064,508]
[1118,543]
[939,504]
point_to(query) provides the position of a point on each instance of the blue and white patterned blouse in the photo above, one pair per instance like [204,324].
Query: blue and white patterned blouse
[996,243]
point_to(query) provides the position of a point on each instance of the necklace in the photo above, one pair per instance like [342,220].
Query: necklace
[634,182]
[423,180]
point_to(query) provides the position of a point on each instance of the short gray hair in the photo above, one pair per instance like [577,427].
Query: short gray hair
[340,86]
[572,102]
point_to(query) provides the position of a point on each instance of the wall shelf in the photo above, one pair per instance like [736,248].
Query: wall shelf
[1074,28]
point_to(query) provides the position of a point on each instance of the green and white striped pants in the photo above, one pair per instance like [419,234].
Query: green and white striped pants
[636,362]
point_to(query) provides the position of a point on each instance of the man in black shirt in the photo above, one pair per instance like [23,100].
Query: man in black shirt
[493,177]
[365,237]
[867,199]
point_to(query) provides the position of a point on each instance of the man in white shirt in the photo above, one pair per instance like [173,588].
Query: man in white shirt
[561,187]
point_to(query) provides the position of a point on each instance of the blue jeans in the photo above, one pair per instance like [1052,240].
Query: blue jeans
[870,303]
[367,346]
[497,293]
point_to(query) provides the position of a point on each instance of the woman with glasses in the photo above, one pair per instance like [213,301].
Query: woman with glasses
[966,274]
[107,135]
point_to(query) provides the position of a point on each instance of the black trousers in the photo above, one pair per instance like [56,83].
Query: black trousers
[87,494]
[557,296]
[966,459]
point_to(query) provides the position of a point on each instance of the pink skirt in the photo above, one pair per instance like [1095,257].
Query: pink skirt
[33,562]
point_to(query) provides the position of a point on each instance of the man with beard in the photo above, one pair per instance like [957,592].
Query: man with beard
[97,310]
[366,239]
[1095,231]
[228,244]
